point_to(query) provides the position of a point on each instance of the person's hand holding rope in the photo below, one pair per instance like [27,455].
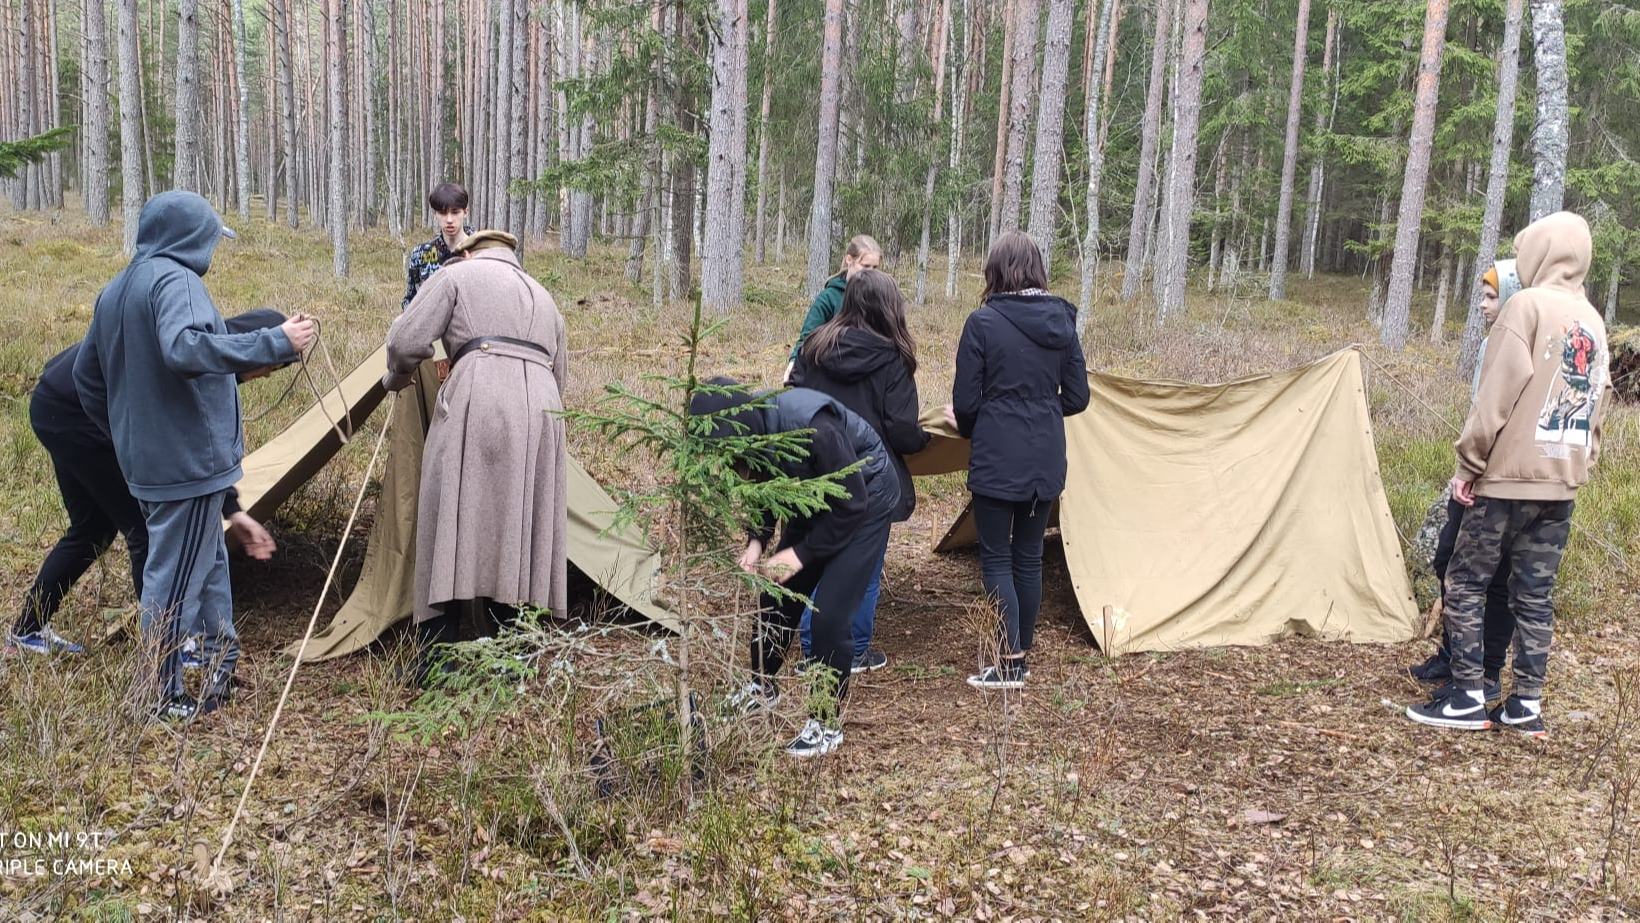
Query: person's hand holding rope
[301,330]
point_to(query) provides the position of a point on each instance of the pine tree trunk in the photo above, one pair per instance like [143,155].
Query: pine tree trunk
[287,108]
[1398,303]
[825,155]
[1019,111]
[337,66]
[500,76]
[518,155]
[942,26]
[54,112]
[395,125]
[26,193]
[763,129]
[1550,136]
[544,130]
[780,222]
[683,173]
[1093,138]
[1180,198]
[130,122]
[1010,20]
[582,199]
[1289,157]
[1612,287]
[1050,128]
[242,138]
[1318,169]
[185,172]
[720,281]
[1497,181]
[94,90]
[959,102]
[654,184]
[1150,138]
[1443,290]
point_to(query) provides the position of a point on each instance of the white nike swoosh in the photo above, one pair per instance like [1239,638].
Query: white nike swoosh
[1447,712]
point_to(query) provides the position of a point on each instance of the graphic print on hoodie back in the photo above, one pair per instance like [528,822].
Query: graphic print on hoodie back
[1568,412]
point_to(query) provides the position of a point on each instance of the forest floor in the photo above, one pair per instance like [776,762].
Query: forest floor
[1278,782]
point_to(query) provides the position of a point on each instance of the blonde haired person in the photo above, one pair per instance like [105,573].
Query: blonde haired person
[862,252]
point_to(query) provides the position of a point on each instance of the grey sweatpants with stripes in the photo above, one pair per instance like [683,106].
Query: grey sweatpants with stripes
[185,592]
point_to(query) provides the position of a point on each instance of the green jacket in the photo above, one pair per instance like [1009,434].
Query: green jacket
[824,308]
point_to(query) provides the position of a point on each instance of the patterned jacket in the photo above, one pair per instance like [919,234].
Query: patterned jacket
[424,261]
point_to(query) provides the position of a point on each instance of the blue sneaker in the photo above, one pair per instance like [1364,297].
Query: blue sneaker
[45,641]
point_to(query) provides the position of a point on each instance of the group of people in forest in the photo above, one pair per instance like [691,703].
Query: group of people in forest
[142,422]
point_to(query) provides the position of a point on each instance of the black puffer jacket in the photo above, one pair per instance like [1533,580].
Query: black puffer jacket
[865,373]
[1020,372]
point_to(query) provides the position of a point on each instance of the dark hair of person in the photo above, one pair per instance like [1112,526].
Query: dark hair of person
[447,197]
[872,303]
[1013,265]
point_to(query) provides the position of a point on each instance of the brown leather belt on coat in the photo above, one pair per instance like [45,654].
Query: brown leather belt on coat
[483,343]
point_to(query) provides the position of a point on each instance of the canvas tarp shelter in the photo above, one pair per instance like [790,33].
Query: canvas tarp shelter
[619,560]
[1230,514]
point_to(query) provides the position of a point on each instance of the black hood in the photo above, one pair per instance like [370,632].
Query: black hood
[721,403]
[1050,321]
[857,354]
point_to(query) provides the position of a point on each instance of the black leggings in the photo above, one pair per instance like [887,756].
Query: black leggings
[1010,561]
[1498,623]
[99,507]
[846,575]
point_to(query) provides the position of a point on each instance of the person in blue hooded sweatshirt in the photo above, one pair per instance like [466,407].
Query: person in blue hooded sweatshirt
[157,374]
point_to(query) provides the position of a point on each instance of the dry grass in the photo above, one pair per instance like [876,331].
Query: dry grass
[1129,783]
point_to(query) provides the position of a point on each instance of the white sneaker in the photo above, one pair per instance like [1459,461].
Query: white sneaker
[815,740]
[754,697]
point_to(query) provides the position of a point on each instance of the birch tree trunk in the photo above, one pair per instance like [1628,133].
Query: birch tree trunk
[1612,287]
[337,69]
[1093,138]
[1497,181]
[94,90]
[130,122]
[1019,112]
[1144,189]
[763,130]
[1289,157]
[1398,303]
[825,153]
[1318,169]
[185,172]
[1550,136]
[1050,128]
[1180,198]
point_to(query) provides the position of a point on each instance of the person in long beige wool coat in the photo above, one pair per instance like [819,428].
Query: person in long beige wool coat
[492,522]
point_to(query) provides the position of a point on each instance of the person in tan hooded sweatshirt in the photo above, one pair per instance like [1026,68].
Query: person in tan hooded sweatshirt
[1532,436]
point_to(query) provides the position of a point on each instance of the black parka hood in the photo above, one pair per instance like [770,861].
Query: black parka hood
[1048,320]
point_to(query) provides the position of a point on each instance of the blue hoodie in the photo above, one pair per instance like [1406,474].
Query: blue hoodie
[156,370]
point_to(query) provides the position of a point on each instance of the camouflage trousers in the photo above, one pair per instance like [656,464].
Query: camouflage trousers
[1532,533]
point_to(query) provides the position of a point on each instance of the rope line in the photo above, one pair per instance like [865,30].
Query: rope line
[290,680]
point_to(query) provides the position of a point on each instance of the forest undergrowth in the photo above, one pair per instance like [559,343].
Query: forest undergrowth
[1241,783]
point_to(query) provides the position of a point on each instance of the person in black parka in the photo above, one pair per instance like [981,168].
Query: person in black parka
[865,358]
[1020,372]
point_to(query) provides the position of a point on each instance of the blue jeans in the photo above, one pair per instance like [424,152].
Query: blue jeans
[864,619]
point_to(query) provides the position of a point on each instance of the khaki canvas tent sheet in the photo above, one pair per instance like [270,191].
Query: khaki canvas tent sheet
[1231,514]
[619,560]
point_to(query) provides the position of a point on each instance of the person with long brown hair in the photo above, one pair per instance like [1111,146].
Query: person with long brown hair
[866,359]
[862,252]
[1020,373]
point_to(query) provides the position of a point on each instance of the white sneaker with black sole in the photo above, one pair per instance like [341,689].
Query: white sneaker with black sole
[754,697]
[815,740]
[1453,709]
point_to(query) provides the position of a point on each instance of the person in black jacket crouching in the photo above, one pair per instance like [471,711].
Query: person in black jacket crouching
[865,358]
[1020,373]
[827,557]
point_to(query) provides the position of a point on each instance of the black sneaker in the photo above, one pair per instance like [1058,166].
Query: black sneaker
[1492,688]
[872,659]
[997,678]
[754,697]
[1437,669]
[1523,716]
[1452,708]
[815,740]
[181,708]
